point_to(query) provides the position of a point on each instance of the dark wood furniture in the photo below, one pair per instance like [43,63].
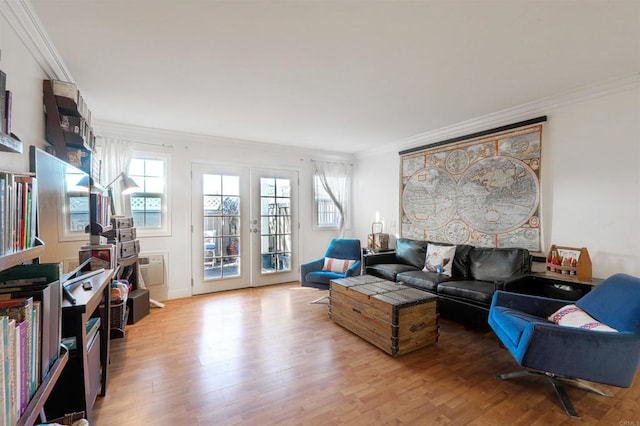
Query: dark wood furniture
[86,374]
[395,318]
[554,285]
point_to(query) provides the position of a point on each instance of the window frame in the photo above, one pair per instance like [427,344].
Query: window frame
[165,210]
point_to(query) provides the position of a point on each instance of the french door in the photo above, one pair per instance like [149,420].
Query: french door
[244,227]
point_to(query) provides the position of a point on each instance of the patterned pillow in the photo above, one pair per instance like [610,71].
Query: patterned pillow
[573,316]
[337,265]
[439,259]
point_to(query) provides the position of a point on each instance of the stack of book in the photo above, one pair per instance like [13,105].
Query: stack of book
[18,201]
[29,334]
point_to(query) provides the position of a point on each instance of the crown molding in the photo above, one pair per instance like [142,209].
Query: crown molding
[162,138]
[27,26]
[510,115]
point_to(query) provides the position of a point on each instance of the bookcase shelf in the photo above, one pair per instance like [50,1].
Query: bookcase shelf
[10,144]
[17,258]
[34,409]
[68,125]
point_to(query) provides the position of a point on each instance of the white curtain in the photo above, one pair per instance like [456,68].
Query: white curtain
[336,181]
[115,156]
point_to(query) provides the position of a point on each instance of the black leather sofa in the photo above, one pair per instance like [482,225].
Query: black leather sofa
[477,272]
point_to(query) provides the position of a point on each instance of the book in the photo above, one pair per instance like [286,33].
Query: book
[22,365]
[3,87]
[8,104]
[4,334]
[4,324]
[21,310]
[14,406]
[65,89]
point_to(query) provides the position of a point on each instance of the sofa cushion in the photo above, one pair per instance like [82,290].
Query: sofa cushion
[476,291]
[388,271]
[439,259]
[411,252]
[460,268]
[422,280]
[498,264]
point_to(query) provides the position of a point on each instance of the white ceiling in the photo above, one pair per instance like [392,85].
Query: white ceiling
[339,75]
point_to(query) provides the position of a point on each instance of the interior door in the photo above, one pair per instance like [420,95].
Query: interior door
[274,226]
[244,227]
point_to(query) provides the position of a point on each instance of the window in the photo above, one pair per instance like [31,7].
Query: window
[326,212]
[148,203]
[332,212]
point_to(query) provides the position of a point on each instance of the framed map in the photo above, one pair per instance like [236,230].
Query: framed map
[483,191]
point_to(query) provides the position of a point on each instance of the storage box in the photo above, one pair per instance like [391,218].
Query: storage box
[395,318]
[120,234]
[138,303]
[377,240]
[118,222]
[128,248]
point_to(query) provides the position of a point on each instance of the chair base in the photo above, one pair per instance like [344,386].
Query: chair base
[320,300]
[558,387]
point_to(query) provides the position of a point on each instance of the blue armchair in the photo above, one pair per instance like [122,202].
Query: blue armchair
[311,273]
[570,354]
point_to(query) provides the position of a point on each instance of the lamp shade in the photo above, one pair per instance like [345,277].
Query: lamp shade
[128,185]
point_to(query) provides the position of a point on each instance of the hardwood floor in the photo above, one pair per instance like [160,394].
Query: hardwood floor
[266,356]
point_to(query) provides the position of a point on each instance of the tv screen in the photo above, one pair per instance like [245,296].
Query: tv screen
[63,200]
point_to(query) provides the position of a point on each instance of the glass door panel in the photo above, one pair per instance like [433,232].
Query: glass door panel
[275,194]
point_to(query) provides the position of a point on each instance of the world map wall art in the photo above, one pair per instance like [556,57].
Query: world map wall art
[483,191]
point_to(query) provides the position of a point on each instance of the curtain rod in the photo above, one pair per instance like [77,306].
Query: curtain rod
[139,142]
[540,119]
[330,162]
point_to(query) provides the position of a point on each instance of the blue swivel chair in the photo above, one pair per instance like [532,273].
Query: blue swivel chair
[573,355]
[312,274]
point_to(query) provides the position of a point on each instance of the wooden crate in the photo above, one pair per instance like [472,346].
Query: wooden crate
[395,318]
[580,272]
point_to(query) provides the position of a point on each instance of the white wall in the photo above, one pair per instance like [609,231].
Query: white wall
[590,180]
[185,150]
[24,80]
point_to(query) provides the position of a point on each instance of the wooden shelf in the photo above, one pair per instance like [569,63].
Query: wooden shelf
[10,144]
[17,258]
[36,404]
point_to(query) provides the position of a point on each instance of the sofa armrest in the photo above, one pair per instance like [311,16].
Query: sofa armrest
[533,305]
[378,258]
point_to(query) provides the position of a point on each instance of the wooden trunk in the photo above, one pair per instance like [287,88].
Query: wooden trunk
[396,318]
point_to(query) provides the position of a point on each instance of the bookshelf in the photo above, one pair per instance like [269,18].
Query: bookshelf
[10,144]
[68,123]
[38,400]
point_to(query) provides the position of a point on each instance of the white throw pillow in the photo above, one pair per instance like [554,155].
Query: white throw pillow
[573,316]
[439,259]
[337,265]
